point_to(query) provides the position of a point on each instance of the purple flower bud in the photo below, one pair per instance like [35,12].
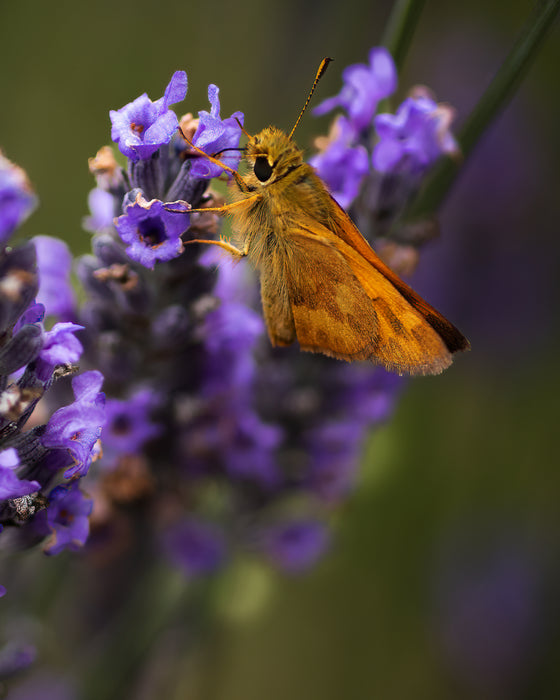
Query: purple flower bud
[141,127]
[67,518]
[364,87]
[195,546]
[17,199]
[151,231]
[10,485]
[295,545]
[413,138]
[24,347]
[54,263]
[214,135]
[33,314]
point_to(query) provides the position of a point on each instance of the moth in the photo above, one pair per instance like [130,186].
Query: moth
[321,282]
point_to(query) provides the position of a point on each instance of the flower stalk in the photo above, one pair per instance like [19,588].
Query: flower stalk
[493,101]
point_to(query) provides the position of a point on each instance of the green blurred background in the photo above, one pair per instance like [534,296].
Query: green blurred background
[443,580]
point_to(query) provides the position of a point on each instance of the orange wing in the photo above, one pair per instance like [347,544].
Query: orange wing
[344,307]
[330,311]
[344,229]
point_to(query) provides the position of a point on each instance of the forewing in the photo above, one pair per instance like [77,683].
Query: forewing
[277,311]
[343,227]
[405,342]
[332,313]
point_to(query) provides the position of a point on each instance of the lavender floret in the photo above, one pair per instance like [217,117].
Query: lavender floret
[364,87]
[141,127]
[151,231]
[413,138]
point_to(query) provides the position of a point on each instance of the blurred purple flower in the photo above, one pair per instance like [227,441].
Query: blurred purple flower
[364,87]
[11,486]
[489,595]
[17,199]
[44,685]
[67,516]
[141,127]
[368,396]
[54,262]
[296,545]
[214,135]
[415,137]
[342,165]
[129,424]
[102,211]
[196,547]
[150,230]
[229,334]
[334,449]
[15,657]
[251,450]
[77,427]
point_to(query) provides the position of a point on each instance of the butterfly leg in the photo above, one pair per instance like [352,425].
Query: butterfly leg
[225,209]
[225,245]
[216,161]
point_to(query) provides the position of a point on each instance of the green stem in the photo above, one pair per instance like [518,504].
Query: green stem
[161,598]
[492,102]
[400,29]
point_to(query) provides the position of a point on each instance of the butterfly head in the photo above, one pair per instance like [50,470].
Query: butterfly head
[271,156]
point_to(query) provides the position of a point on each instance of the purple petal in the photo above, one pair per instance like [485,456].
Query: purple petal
[54,262]
[10,485]
[151,231]
[67,517]
[383,67]
[176,91]
[17,199]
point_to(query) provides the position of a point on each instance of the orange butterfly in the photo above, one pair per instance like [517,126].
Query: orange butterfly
[321,282]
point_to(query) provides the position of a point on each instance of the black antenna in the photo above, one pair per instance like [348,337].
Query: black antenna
[322,68]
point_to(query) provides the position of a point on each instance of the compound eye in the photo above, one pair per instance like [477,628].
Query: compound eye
[262,169]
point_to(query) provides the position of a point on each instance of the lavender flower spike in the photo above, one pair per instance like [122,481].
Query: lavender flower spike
[364,87]
[141,127]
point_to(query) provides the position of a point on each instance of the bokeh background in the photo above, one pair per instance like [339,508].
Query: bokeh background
[443,580]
